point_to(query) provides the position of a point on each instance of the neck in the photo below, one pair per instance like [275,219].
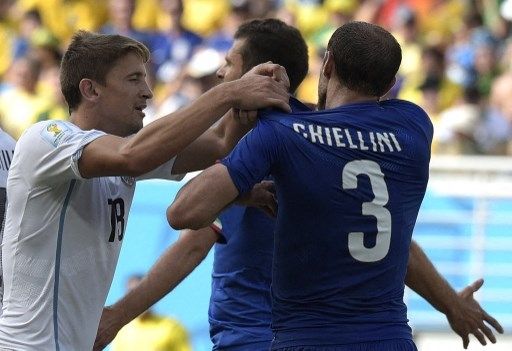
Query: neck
[83,119]
[343,96]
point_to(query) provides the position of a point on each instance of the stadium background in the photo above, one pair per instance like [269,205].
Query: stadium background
[457,59]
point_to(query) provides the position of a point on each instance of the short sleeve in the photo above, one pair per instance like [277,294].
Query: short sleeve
[253,157]
[163,172]
[48,152]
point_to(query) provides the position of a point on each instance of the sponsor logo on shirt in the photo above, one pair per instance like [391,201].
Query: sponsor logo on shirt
[54,132]
[128,180]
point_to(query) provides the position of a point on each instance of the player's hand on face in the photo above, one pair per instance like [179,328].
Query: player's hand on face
[265,85]
[262,196]
[468,317]
[108,328]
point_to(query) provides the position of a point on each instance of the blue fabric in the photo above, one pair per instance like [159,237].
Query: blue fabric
[350,176]
[240,303]
[385,345]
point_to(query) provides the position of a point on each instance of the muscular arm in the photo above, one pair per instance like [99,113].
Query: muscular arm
[163,139]
[201,200]
[172,267]
[212,145]
[463,312]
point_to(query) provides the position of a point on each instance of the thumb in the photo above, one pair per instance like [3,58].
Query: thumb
[474,287]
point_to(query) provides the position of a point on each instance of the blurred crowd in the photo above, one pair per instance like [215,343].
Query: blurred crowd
[457,55]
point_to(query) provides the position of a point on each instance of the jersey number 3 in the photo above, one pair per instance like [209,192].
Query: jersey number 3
[116,219]
[374,208]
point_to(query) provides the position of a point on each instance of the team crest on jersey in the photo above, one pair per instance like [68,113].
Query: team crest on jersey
[54,132]
[128,180]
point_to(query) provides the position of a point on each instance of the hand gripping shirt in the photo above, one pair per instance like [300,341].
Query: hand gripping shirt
[62,238]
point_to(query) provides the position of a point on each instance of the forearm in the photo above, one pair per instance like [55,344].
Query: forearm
[172,267]
[212,145]
[167,136]
[424,279]
[200,201]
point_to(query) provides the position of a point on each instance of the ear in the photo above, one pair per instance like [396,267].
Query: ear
[328,64]
[391,85]
[88,89]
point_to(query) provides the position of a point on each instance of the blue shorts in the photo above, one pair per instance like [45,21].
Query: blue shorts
[384,345]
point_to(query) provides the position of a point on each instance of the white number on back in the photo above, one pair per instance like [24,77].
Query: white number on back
[374,208]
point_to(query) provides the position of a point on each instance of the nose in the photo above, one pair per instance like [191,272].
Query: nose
[221,72]
[147,93]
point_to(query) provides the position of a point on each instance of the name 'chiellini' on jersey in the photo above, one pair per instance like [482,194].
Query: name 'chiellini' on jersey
[349,138]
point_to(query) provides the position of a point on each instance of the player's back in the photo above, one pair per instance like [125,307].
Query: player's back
[350,183]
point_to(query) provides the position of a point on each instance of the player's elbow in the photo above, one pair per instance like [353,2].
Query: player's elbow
[181,218]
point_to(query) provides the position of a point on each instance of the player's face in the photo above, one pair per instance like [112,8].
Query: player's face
[124,96]
[233,66]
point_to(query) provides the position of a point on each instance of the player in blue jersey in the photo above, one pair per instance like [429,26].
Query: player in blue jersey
[350,182]
[240,302]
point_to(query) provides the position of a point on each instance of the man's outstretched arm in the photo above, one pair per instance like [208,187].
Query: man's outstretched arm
[463,312]
[177,262]
[201,200]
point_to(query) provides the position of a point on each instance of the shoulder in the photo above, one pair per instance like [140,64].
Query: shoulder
[411,111]
[403,104]
[6,140]
[407,106]
[51,132]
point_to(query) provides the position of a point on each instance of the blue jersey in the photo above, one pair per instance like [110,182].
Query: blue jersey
[240,303]
[240,312]
[350,182]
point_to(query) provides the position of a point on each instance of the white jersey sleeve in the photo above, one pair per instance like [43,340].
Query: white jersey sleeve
[49,151]
[163,172]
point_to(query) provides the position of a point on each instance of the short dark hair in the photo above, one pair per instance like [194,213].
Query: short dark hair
[273,40]
[92,56]
[366,57]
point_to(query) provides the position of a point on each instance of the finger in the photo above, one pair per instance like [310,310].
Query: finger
[465,341]
[273,206]
[244,119]
[252,116]
[271,210]
[477,284]
[268,185]
[280,75]
[488,333]
[480,337]
[263,69]
[472,288]
[280,104]
[493,322]
[268,211]
[236,114]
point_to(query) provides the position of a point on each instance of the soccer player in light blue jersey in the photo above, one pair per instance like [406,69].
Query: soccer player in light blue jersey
[350,180]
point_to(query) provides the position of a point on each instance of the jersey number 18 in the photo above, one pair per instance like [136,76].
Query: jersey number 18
[116,219]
